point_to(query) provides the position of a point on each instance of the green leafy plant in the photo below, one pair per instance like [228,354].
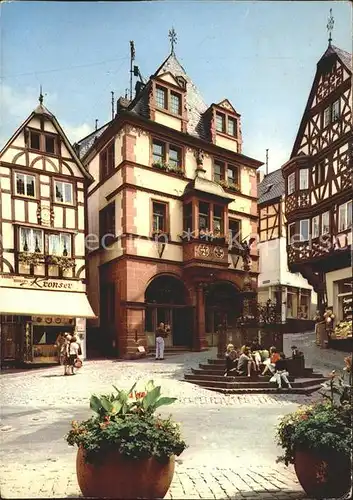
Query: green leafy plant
[174,169]
[125,422]
[323,427]
[30,259]
[65,263]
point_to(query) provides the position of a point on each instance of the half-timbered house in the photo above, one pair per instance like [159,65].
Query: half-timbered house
[42,232]
[318,181]
[170,185]
[291,292]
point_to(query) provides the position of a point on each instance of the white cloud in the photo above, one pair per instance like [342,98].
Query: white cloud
[16,106]
[76,132]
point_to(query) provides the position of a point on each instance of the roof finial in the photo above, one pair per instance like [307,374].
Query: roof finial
[329,27]
[173,39]
[41,96]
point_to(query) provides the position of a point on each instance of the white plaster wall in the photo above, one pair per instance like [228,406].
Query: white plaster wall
[331,277]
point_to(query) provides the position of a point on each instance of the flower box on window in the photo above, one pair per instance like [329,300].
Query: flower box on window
[233,187]
[65,263]
[160,165]
[30,259]
[168,168]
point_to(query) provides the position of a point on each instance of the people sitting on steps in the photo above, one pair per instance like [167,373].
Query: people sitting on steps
[231,360]
[271,361]
[246,365]
[281,372]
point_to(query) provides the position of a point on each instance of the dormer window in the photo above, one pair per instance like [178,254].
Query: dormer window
[161,97]
[168,100]
[226,124]
[220,122]
[175,103]
[232,127]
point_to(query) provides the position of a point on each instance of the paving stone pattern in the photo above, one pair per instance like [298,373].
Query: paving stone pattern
[48,471]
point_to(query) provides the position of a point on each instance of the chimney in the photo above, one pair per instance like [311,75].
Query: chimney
[121,104]
[260,176]
[139,87]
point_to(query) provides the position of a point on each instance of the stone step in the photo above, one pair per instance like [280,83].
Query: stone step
[220,372]
[225,384]
[268,390]
[220,378]
[221,368]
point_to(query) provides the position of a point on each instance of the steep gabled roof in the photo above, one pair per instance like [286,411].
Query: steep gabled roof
[194,101]
[42,110]
[346,59]
[344,56]
[271,187]
[87,142]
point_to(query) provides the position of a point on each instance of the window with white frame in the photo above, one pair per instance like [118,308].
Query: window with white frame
[335,110]
[291,183]
[291,232]
[60,244]
[25,184]
[304,178]
[325,223]
[63,192]
[327,116]
[315,227]
[31,240]
[304,230]
[345,216]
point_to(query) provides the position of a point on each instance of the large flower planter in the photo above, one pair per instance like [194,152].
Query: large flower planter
[123,478]
[323,477]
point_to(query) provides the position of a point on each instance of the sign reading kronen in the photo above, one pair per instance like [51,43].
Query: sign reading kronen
[42,283]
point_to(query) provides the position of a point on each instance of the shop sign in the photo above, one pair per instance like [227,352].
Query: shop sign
[80,325]
[41,283]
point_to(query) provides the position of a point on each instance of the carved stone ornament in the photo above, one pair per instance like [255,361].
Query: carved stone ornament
[219,252]
[134,130]
[199,155]
[202,251]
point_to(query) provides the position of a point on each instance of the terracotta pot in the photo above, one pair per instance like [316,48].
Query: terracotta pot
[323,477]
[123,478]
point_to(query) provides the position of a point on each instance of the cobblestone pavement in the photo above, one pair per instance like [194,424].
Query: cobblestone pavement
[239,462]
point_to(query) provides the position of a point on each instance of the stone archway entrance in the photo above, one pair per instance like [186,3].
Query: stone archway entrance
[222,307]
[166,302]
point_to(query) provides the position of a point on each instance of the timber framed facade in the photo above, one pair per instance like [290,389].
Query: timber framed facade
[318,180]
[43,188]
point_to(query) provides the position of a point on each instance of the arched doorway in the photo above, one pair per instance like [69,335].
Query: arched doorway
[165,299]
[222,306]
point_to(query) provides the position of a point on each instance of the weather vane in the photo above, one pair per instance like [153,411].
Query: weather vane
[173,39]
[329,26]
[41,95]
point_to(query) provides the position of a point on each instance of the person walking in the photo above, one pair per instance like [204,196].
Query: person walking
[65,353]
[60,345]
[73,354]
[161,333]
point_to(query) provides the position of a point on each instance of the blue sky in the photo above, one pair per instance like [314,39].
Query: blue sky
[260,55]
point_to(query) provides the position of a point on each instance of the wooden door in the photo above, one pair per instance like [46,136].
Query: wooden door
[8,336]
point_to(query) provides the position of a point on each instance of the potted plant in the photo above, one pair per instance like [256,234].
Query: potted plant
[317,440]
[125,450]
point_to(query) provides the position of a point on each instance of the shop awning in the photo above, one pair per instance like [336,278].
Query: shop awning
[25,302]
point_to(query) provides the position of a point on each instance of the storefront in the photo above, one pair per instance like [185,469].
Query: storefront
[34,311]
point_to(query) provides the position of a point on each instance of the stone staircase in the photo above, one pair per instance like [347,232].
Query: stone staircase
[211,376]
[169,351]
